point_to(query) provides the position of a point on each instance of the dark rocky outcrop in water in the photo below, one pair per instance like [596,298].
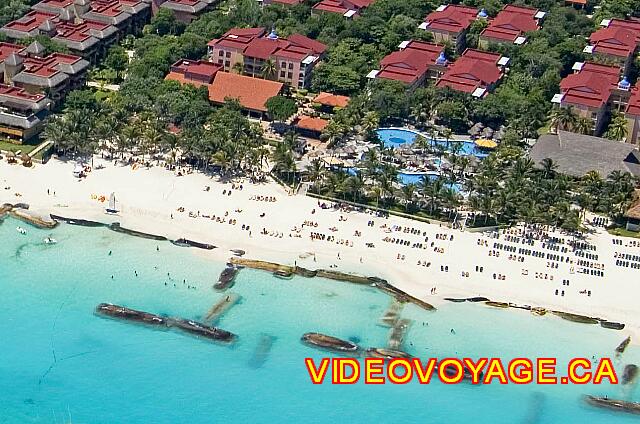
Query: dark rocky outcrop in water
[76,221]
[119,229]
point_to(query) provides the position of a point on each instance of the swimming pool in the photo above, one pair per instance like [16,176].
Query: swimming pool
[394,137]
[415,178]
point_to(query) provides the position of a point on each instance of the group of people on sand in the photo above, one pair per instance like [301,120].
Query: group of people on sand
[263,198]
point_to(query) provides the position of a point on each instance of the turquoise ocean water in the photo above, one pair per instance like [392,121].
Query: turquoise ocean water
[61,363]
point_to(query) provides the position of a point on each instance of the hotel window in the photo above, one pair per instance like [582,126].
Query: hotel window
[290,75]
[282,73]
[220,61]
[291,66]
[228,54]
[221,53]
[283,64]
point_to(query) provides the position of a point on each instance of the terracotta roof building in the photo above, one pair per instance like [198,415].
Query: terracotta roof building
[21,113]
[617,41]
[450,23]
[593,90]
[331,100]
[252,93]
[511,25]
[347,8]
[251,49]
[412,64]
[475,72]
[311,127]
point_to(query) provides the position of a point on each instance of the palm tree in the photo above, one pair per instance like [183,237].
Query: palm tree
[315,172]
[617,128]
[370,123]
[583,125]
[238,68]
[269,69]
[408,194]
[548,168]
[563,118]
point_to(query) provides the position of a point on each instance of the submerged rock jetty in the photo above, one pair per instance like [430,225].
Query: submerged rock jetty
[227,277]
[380,283]
[20,211]
[76,221]
[120,229]
[329,342]
[613,404]
[189,326]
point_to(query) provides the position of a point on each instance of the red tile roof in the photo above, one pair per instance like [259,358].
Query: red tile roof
[19,93]
[237,38]
[7,48]
[634,102]
[474,69]
[312,124]
[411,63]
[591,86]
[333,100]
[30,21]
[620,38]
[252,42]
[252,93]
[196,72]
[342,6]
[453,18]
[512,22]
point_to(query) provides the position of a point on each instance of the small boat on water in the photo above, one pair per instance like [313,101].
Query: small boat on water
[629,374]
[21,230]
[623,345]
[49,240]
[202,330]
[329,342]
[282,274]
[388,354]
[122,312]
[227,277]
[613,404]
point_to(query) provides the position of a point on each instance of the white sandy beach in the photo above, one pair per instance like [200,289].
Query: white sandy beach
[148,198]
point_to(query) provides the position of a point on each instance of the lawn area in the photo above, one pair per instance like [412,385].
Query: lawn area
[621,232]
[25,148]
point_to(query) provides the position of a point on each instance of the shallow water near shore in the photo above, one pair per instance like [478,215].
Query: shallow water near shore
[62,363]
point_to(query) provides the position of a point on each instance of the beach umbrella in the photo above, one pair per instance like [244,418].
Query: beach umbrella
[486,144]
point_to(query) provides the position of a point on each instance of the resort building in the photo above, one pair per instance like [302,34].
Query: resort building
[593,91]
[21,114]
[633,214]
[616,42]
[310,127]
[450,23]
[412,64]
[252,93]
[576,154]
[511,25]
[632,113]
[86,28]
[187,10]
[328,101]
[347,8]
[195,72]
[476,72]
[255,53]
[29,68]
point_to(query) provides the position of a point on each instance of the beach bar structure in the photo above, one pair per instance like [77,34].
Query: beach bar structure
[450,23]
[413,64]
